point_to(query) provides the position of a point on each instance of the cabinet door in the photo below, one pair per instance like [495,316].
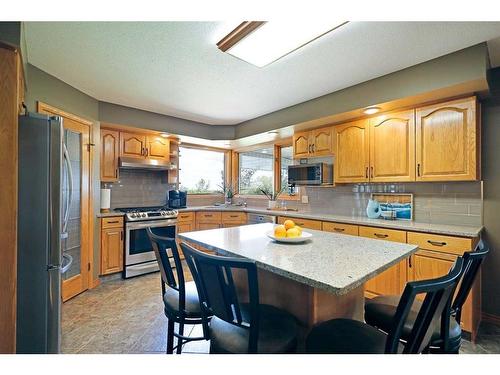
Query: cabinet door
[204,226]
[132,145]
[321,140]
[182,227]
[110,148]
[111,250]
[352,156]
[392,147]
[393,280]
[447,141]
[301,145]
[158,148]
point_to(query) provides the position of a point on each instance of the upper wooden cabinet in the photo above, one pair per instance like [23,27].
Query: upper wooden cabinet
[392,147]
[132,145]
[447,144]
[351,152]
[157,147]
[313,143]
[110,149]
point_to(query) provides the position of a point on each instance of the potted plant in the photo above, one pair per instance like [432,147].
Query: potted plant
[228,190]
[272,196]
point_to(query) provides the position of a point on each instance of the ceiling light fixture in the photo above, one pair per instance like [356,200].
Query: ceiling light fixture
[164,135]
[371,110]
[261,43]
[273,132]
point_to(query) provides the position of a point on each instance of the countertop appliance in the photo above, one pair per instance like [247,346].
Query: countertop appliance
[258,218]
[43,204]
[310,174]
[177,199]
[139,255]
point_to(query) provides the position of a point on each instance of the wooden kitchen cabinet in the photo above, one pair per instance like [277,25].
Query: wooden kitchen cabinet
[185,223]
[447,141]
[303,223]
[351,152]
[111,245]
[392,147]
[233,219]
[393,280]
[157,147]
[132,145]
[110,150]
[340,228]
[313,143]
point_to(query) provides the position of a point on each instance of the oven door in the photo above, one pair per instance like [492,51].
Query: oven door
[138,248]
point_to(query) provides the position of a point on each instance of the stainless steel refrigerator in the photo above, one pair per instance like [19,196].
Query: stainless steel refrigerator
[44,169]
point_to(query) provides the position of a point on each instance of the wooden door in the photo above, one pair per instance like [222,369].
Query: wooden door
[321,140]
[392,147]
[112,250]
[158,147]
[132,145]
[301,145]
[110,149]
[393,280]
[447,141]
[78,243]
[351,152]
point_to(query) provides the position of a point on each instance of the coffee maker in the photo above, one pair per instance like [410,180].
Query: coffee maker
[177,199]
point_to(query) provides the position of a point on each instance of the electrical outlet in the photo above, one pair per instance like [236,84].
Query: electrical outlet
[305,199]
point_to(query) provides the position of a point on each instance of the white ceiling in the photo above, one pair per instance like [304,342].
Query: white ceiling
[175,68]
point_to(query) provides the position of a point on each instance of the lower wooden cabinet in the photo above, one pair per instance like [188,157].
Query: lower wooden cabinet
[185,223]
[111,245]
[393,280]
[304,223]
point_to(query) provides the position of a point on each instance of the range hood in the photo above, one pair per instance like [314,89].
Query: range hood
[151,164]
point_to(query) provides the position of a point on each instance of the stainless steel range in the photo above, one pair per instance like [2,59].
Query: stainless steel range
[139,255]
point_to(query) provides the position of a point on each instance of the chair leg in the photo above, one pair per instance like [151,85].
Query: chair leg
[170,337]
[179,340]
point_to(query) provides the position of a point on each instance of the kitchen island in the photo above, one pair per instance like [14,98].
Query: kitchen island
[319,279]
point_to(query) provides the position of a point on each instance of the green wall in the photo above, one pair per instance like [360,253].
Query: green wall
[491,205]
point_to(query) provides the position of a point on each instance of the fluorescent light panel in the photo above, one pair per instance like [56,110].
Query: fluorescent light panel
[275,39]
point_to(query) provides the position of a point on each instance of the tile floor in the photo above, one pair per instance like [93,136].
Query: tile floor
[126,316]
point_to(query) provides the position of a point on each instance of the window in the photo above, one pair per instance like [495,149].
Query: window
[286,160]
[256,171]
[201,171]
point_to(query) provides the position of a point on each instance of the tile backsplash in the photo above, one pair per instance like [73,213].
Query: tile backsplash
[139,188]
[455,203]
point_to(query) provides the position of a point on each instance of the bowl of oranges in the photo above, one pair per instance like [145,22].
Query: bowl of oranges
[288,232]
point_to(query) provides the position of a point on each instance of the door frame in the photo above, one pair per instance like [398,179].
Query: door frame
[44,108]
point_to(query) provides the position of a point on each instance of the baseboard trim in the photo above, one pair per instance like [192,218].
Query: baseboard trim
[96,283]
[491,318]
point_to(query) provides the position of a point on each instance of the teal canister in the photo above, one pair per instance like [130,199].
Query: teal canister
[373,209]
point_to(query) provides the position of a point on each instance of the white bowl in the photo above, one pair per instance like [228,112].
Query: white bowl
[305,236]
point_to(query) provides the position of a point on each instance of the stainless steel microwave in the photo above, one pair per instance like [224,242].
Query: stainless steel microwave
[310,174]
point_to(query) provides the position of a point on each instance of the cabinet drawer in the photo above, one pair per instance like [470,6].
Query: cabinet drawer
[208,217]
[239,217]
[383,234]
[328,226]
[111,222]
[304,223]
[440,243]
[185,216]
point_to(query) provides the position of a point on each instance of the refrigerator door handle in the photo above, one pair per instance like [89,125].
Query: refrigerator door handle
[69,195]
[66,267]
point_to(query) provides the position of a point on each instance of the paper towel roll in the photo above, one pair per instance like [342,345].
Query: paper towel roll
[105,200]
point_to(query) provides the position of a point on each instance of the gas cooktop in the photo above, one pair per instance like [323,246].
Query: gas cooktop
[148,213]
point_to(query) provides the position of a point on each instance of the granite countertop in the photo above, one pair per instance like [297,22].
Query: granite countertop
[110,214]
[451,230]
[332,262]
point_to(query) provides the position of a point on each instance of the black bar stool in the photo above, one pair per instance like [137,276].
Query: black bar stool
[345,336]
[380,311]
[180,299]
[238,327]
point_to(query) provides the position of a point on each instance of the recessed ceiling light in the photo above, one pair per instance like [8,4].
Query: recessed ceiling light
[164,135]
[371,110]
[261,43]
[273,132]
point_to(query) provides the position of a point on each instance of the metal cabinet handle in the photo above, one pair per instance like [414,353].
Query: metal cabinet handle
[309,148]
[409,261]
[366,173]
[208,215]
[147,151]
[233,216]
[116,173]
[381,235]
[121,235]
[313,147]
[371,172]
[113,222]
[435,243]
[338,229]
[418,169]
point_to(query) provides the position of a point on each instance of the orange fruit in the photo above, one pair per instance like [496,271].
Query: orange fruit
[293,232]
[280,231]
[288,224]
